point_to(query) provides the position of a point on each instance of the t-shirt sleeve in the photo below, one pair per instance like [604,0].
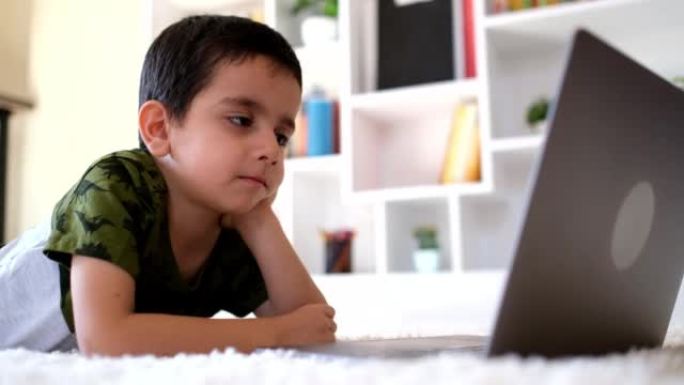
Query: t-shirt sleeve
[98,217]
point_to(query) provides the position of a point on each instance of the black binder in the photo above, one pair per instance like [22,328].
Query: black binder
[415,43]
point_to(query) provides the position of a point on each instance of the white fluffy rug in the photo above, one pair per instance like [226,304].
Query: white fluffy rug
[662,366]
[378,306]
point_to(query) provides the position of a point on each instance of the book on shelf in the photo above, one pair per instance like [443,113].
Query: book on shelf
[462,157]
[500,6]
[298,141]
[425,41]
[316,128]
[415,42]
[468,33]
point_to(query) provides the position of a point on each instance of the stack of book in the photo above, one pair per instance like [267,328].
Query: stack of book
[500,6]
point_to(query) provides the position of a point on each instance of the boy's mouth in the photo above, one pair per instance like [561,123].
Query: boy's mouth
[254,179]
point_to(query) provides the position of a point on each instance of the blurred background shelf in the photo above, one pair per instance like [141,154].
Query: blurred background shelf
[385,182]
[523,143]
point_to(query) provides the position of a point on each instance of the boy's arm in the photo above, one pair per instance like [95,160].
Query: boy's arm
[288,283]
[103,301]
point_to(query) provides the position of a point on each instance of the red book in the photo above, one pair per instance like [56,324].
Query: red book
[469,38]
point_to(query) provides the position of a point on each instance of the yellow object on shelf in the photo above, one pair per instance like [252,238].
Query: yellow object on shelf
[516,5]
[462,157]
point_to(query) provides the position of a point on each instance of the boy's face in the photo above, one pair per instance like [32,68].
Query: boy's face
[228,151]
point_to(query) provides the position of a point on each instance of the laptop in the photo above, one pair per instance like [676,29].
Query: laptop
[599,259]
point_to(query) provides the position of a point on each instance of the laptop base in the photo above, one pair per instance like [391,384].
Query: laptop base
[401,347]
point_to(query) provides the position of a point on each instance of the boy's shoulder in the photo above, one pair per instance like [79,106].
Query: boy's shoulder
[118,198]
[135,160]
[131,167]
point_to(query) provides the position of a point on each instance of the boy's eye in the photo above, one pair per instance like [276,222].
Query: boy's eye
[282,139]
[241,121]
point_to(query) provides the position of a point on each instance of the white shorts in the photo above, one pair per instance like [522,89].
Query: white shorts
[30,313]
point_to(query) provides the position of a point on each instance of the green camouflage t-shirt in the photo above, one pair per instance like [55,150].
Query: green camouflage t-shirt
[118,212]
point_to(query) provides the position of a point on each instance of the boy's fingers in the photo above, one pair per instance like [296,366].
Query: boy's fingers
[330,312]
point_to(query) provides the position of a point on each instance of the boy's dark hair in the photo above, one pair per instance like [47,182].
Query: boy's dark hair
[181,60]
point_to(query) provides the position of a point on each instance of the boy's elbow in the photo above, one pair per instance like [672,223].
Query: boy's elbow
[101,342]
[97,345]
[89,346]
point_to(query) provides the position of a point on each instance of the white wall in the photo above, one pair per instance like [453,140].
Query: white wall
[84,59]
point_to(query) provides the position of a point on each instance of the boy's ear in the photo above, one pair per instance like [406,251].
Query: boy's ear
[153,124]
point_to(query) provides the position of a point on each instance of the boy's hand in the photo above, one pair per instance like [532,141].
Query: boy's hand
[311,324]
[257,215]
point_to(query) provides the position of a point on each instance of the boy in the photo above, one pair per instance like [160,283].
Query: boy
[151,242]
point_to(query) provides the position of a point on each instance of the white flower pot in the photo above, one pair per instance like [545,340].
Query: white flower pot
[318,29]
[426,260]
[540,127]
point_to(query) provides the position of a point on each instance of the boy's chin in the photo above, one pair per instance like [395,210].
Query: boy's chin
[242,209]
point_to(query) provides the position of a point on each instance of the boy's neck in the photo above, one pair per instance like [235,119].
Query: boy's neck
[193,230]
[189,224]
[193,233]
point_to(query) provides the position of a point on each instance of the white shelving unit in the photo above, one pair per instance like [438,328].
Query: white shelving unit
[394,140]
[384,184]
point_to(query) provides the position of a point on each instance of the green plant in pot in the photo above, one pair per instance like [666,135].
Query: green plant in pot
[426,255]
[320,7]
[536,115]
[319,24]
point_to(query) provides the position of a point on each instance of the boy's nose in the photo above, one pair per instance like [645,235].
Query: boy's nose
[268,149]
